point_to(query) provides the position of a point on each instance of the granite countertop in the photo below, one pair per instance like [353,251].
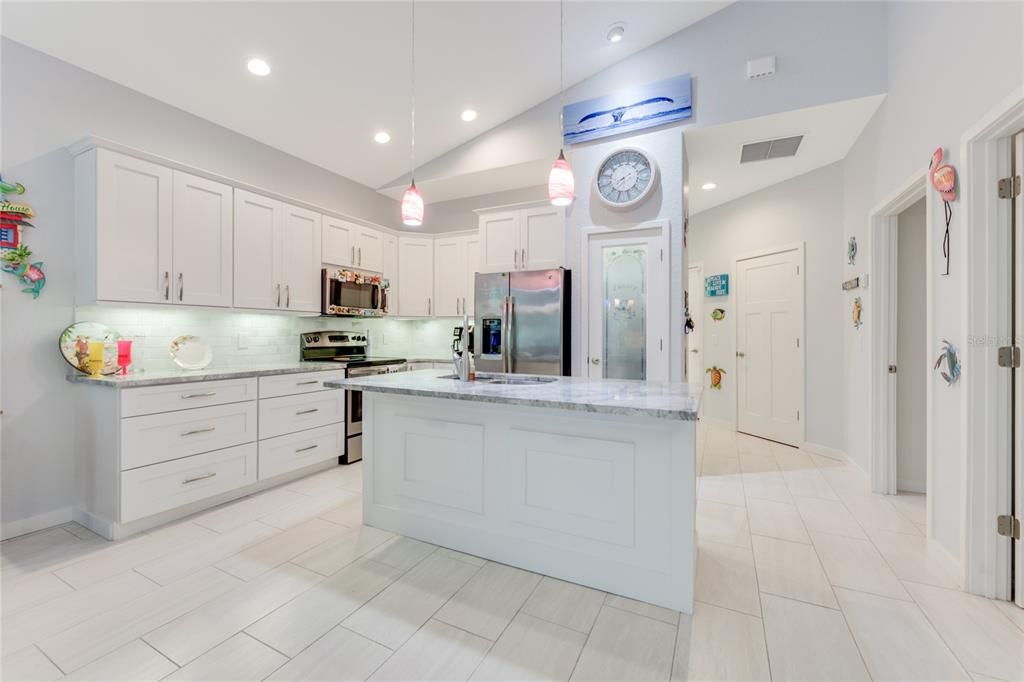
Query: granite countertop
[659,399]
[183,376]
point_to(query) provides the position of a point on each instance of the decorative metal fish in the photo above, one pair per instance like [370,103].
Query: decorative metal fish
[718,314]
[30,274]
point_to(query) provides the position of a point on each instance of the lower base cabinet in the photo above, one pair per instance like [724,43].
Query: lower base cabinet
[151,454]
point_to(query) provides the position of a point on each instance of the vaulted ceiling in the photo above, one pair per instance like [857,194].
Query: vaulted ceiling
[340,71]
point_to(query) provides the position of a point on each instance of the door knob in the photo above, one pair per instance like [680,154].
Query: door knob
[694,350]
[740,354]
[595,361]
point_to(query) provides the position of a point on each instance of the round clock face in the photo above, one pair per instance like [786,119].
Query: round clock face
[625,178]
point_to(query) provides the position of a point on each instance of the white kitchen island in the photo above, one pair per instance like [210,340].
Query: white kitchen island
[590,481]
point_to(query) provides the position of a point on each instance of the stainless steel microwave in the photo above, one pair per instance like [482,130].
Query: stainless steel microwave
[347,293]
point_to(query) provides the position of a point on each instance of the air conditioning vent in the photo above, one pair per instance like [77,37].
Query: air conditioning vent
[771,149]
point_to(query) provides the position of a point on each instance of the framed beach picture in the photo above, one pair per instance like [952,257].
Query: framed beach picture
[627,111]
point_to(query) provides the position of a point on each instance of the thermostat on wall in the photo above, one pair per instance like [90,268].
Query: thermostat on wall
[762,67]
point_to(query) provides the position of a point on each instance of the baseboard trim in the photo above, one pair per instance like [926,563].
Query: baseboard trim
[12,529]
[825,451]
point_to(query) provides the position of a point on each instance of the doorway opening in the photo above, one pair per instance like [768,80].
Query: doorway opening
[769,350]
[912,357]
[694,340]
[626,310]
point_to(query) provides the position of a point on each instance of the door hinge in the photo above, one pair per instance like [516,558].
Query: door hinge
[1008,526]
[892,369]
[1009,187]
[1009,356]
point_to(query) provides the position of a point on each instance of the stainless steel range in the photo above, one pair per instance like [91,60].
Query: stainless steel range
[349,350]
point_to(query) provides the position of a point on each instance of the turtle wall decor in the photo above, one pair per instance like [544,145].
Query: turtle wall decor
[716,376]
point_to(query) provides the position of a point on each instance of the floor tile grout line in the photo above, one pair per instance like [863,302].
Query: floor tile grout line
[938,632]
[146,644]
[38,648]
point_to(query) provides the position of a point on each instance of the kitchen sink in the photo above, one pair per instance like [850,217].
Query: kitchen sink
[507,380]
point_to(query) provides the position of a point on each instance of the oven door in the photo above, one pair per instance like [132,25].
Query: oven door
[354,411]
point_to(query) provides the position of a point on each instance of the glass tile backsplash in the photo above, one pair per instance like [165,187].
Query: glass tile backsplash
[243,339]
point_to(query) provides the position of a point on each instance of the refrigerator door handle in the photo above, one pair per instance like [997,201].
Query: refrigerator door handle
[510,350]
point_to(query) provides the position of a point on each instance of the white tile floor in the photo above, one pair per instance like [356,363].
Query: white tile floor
[802,575]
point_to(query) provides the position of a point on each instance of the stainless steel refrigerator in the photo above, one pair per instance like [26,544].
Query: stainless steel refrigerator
[522,322]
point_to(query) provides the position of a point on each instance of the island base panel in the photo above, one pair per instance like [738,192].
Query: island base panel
[601,500]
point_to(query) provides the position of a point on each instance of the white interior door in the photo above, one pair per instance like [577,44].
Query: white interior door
[694,345]
[627,304]
[769,361]
[1018,374]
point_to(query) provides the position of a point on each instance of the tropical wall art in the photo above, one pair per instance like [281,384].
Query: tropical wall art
[858,309]
[943,179]
[628,111]
[716,376]
[14,252]
[851,251]
[951,360]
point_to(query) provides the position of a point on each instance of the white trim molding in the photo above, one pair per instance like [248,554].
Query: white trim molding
[985,449]
[825,451]
[12,529]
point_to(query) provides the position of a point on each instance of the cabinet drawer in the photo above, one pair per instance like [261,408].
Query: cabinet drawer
[293,384]
[153,399]
[292,413]
[296,450]
[153,489]
[170,435]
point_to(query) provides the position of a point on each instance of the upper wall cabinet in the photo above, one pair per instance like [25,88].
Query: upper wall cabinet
[277,255]
[202,237]
[390,269]
[147,234]
[416,276]
[456,261]
[522,239]
[348,244]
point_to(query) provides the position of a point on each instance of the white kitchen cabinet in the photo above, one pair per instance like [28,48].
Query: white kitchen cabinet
[258,222]
[125,231]
[390,269]
[455,264]
[522,239]
[472,267]
[300,260]
[202,253]
[277,255]
[369,245]
[339,241]
[416,275]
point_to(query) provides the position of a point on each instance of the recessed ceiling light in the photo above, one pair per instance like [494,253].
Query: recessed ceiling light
[707,186]
[469,115]
[616,32]
[382,137]
[258,67]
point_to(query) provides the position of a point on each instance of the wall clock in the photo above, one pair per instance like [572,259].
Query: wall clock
[626,177]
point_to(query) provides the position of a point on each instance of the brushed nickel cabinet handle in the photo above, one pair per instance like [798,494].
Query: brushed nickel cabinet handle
[524,259]
[307,383]
[167,285]
[278,295]
[287,296]
[193,432]
[181,286]
[515,258]
[307,448]
[360,255]
[315,409]
[186,396]
[353,260]
[199,478]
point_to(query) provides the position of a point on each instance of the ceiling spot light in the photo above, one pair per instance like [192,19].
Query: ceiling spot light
[258,67]
[616,32]
[469,115]
[382,137]
[708,186]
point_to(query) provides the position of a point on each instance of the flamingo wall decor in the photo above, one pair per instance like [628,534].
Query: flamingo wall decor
[943,177]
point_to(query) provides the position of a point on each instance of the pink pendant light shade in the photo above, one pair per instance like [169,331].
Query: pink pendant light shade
[412,206]
[561,184]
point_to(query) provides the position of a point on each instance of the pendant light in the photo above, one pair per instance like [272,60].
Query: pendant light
[412,200]
[561,183]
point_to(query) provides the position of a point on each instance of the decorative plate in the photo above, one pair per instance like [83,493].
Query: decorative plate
[626,177]
[190,352]
[74,346]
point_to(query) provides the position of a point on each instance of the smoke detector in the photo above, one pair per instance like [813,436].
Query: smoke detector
[763,67]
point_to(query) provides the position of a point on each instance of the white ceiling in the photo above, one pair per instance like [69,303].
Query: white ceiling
[340,70]
[829,131]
